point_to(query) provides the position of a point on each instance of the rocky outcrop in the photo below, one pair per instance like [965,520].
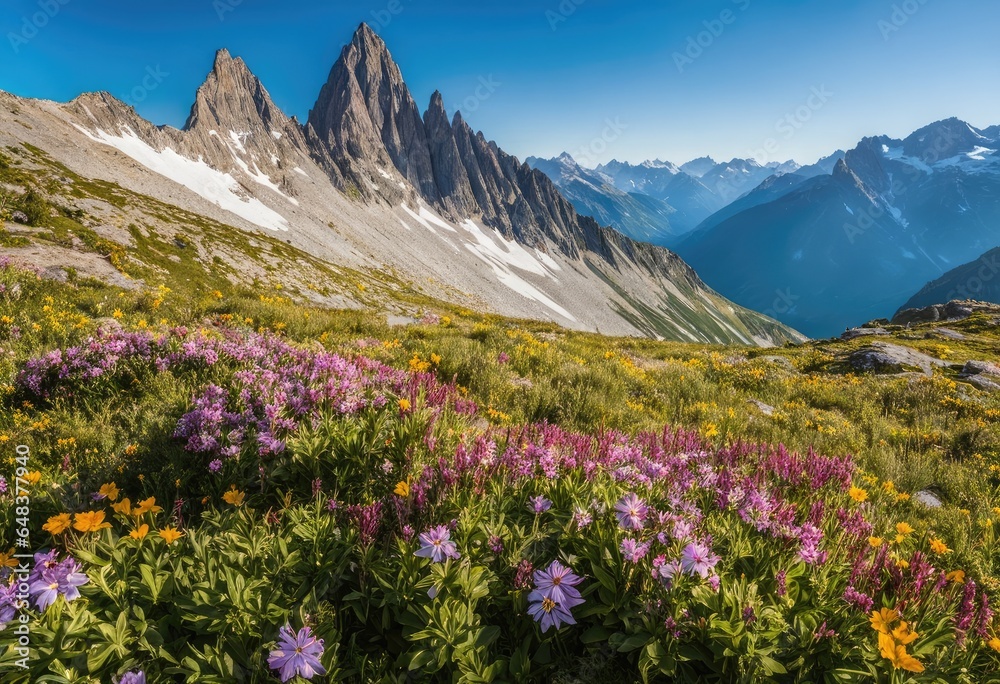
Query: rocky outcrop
[955,310]
[883,357]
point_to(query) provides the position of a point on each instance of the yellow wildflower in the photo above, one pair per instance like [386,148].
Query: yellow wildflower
[34,477]
[147,506]
[903,635]
[90,521]
[7,560]
[402,489]
[109,491]
[876,541]
[881,619]
[140,533]
[170,535]
[939,547]
[124,506]
[234,496]
[956,576]
[57,524]
[858,494]
[904,528]
[994,643]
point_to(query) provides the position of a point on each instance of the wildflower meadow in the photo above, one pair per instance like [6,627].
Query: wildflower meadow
[226,487]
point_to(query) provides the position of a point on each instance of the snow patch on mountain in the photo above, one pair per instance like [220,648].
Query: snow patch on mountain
[219,188]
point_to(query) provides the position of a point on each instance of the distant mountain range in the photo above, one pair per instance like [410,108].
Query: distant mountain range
[370,184]
[827,252]
[658,201]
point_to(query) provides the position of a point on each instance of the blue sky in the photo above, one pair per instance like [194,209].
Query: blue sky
[602,79]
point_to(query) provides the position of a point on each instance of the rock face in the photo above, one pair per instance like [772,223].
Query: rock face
[883,357]
[955,310]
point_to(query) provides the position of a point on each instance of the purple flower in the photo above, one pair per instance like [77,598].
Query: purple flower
[713,582]
[632,512]
[522,579]
[781,583]
[8,603]
[137,677]
[51,579]
[367,519]
[408,532]
[554,596]
[547,612]
[502,358]
[496,544]
[582,517]
[215,466]
[666,572]
[539,504]
[862,602]
[3,485]
[437,545]
[698,559]
[633,551]
[297,654]
[559,584]
[749,616]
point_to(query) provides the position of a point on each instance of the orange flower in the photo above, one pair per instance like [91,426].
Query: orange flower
[404,405]
[90,521]
[147,506]
[34,477]
[109,491]
[7,560]
[139,533]
[901,660]
[402,489]
[903,635]
[57,524]
[124,507]
[994,643]
[170,535]
[939,547]
[858,494]
[882,618]
[956,576]
[903,528]
[876,541]
[234,496]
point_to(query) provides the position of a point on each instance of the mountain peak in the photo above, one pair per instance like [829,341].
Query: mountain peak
[232,98]
[222,58]
[366,117]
